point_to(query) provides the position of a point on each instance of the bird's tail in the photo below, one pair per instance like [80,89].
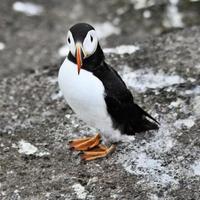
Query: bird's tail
[146,125]
[144,122]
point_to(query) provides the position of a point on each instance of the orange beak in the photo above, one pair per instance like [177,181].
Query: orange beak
[79,57]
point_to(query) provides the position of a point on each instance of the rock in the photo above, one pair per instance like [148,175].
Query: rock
[157,165]
[35,32]
[162,71]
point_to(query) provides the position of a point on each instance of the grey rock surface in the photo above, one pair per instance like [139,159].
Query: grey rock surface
[31,42]
[36,125]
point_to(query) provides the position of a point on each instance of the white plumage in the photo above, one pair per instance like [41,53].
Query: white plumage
[85,95]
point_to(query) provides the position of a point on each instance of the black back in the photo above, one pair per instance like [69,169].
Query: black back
[127,116]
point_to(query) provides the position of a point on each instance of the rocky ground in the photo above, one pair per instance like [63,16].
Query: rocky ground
[36,123]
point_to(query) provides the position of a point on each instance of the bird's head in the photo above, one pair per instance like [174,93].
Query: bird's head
[82,42]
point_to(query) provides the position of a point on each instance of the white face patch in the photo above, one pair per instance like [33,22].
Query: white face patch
[90,43]
[71,43]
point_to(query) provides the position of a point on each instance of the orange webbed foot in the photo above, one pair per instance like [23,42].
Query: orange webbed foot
[84,144]
[99,151]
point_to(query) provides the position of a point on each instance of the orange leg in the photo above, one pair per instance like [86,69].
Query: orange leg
[98,152]
[85,143]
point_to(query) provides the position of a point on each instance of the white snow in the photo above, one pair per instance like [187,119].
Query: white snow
[47,194]
[122,49]
[151,169]
[196,168]
[63,51]
[147,14]
[42,153]
[2,46]
[144,79]
[52,81]
[106,29]
[196,90]
[28,8]
[56,96]
[121,10]
[173,16]
[80,191]
[143,159]
[196,105]
[29,149]
[188,123]
[154,197]
[176,103]
[140,4]
[192,92]
[145,164]
[197,66]
[26,148]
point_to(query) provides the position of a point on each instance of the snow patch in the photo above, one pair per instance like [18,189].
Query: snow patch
[2,46]
[143,158]
[188,123]
[151,169]
[196,168]
[147,14]
[196,105]
[52,81]
[63,51]
[28,8]
[140,4]
[122,49]
[79,190]
[106,29]
[29,149]
[173,16]
[155,197]
[56,95]
[42,153]
[145,164]
[194,91]
[26,148]
[197,66]
[141,80]
[176,103]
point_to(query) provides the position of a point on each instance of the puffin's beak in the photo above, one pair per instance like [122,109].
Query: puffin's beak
[79,56]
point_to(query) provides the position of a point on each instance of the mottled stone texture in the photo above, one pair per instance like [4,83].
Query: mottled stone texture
[162,164]
[31,110]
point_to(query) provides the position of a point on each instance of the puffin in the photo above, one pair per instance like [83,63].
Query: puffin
[98,95]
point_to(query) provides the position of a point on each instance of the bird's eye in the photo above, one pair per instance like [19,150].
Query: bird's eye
[69,40]
[91,38]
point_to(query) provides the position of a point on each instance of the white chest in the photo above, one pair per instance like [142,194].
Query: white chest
[84,93]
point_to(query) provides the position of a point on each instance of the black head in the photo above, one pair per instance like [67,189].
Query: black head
[84,48]
[79,31]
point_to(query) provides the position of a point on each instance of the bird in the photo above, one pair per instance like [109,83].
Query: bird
[98,95]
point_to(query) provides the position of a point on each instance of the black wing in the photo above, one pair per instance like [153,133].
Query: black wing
[127,116]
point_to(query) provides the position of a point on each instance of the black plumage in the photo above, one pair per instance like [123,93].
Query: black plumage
[126,116]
